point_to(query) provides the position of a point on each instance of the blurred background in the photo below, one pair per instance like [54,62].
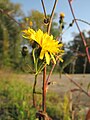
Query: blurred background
[16,15]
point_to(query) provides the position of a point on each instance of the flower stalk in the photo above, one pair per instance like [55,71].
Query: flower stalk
[46,49]
[44,71]
[34,91]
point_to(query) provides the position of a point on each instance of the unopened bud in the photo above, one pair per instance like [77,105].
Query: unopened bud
[46,21]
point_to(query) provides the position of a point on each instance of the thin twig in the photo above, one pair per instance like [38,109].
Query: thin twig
[51,17]
[50,73]
[83,21]
[6,13]
[44,8]
[74,82]
[82,37]
[52,70]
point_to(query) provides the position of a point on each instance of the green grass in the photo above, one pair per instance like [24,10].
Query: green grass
[16,101]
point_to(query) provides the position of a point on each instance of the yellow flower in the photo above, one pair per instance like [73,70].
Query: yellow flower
[49,46]
[29,34]
[27,19]
[30,23]
[62,15]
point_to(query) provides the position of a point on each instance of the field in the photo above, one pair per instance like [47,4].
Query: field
[16,96]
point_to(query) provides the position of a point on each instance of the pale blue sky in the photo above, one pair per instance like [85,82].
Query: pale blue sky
[81,9]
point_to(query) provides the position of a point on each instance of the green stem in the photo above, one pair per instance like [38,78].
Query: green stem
[41,68]
[36,65]
[34,91]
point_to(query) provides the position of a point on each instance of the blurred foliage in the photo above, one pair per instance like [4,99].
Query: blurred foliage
[37,18]
[75,59]
[9,33]
[11,42]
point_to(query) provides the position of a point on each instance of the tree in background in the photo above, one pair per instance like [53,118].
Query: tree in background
[9,32]
[37,19]
[76,54]
[10,40]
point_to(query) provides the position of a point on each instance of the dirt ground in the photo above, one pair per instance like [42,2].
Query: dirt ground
[64,85]
[61,85]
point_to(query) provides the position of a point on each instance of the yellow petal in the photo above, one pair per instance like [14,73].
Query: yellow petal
[61,59]
[38,37]
[52,56]
[42,54]
[47,56]
[29,34]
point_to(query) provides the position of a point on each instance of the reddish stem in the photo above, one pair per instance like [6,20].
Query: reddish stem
[44,91]
[75,83]
[82,37]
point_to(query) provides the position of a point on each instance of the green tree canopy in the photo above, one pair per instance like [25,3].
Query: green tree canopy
[37,19]
[9,32]
[77,55]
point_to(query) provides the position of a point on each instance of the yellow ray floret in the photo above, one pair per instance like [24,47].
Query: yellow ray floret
[49,46]
[29,34]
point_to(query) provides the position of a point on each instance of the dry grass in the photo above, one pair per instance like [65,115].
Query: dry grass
[60,87]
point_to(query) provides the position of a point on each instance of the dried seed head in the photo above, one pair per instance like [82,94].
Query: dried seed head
[46,21]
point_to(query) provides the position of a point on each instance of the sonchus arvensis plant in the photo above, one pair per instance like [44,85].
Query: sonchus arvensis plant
[49,47]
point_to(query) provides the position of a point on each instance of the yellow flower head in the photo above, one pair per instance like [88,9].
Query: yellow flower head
[49,46]
[27,19]
[30,23]
[62,15]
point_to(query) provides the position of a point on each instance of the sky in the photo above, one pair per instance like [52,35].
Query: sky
[81,10]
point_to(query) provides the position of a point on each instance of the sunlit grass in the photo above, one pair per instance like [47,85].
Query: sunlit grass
[16,100]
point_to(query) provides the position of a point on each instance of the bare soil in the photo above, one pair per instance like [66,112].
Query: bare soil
[60,85]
